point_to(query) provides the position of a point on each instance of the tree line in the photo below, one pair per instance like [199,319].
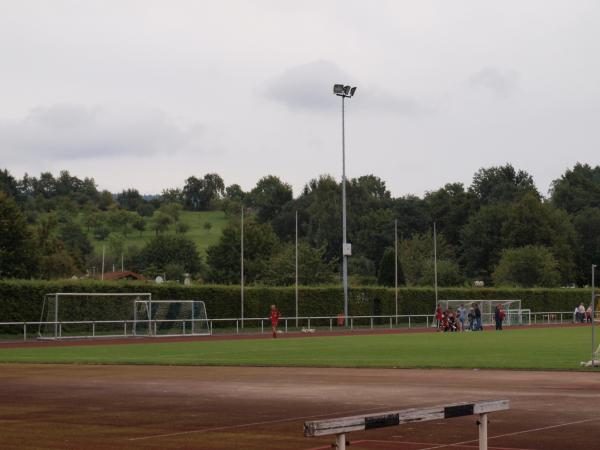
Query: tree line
[500,229]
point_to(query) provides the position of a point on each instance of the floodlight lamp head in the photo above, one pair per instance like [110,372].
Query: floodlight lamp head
[352,91]
[338,89]
[346,90]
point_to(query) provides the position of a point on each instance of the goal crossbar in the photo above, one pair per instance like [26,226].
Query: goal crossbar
[170,318]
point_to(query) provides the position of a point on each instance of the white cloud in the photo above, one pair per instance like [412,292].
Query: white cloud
[309,87]
[503,83]
[71,132]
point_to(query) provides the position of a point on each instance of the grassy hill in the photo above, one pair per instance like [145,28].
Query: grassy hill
[194,219]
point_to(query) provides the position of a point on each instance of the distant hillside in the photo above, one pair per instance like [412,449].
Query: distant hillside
[196,221]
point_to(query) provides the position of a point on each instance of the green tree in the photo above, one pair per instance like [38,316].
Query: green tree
[416,256]
[161,222]
[269,196]
[139,224]
[527,266]
[450,207]
[386,275]
[577,189]
[164,250]
[8,184]
[502,184]
[207,226]
[199,194]
[260,244]
[587,227]
[182,228]
[76,242]
[312,266]
[18,257]
[130,199]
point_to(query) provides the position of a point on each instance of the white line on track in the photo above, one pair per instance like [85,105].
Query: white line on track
[243,425]
[531,430]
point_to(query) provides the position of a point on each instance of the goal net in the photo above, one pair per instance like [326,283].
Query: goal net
[514,314]
[88,314]
[170,318]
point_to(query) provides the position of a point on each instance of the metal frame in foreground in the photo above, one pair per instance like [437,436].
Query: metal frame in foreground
[343,425]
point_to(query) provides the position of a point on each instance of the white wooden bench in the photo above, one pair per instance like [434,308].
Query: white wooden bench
[343,425]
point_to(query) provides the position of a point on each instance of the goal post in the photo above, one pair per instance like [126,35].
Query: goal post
[170,318]
[87,314]
[514,314]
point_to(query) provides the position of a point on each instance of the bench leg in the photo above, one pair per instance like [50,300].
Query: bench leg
[483,438]
[340,441]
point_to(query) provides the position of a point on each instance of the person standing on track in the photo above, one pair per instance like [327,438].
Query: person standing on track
[438,317]
[498,317]
[462,315]
[274,319]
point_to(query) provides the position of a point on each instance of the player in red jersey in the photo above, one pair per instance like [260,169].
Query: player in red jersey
[274,319]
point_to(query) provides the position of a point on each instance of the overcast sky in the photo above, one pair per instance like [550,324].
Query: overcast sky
[146,93]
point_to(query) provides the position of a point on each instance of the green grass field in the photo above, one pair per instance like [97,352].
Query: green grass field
[534,348]
[194,219]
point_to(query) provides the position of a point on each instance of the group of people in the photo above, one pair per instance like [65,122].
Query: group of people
[465,320]
[582,315]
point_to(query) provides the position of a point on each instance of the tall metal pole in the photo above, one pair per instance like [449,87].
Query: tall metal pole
[344,255]
[593,311]
[396,265]
[242,268]
[296,268]
[435,264]
[103,249]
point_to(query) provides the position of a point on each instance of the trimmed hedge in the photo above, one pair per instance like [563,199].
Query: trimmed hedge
[21,300]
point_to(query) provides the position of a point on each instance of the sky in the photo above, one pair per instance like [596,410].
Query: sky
[145,93]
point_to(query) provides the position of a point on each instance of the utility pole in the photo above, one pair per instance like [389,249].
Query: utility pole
[296,268]
[396,266]
[345,92]
[242,268]
[103,249]
[435,264]
[593,312]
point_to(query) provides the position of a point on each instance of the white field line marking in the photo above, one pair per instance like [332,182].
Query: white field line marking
[243,425]
[531,430]
[430,443]
[464,445]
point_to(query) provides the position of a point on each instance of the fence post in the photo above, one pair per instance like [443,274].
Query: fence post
[371,323]
[93,329]
[308,323]
[124,328]
[340,441]
[183,323]
[351,325]
[210,325]
[483,441]
[391,320]
[408,321]
[262,326]
[24,331]
[330,324]
[237,327]
[427,321]
[60,329]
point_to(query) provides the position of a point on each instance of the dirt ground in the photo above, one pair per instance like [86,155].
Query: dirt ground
[135,407]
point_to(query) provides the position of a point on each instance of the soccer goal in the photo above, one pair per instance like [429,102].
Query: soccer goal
[170,318]
[515,315]
[88,314]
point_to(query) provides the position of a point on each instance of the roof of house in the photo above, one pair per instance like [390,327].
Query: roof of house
[127,275]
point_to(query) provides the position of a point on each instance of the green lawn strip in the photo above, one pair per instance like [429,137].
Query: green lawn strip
[551,349]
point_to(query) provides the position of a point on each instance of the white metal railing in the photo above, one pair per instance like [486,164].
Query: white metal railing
[129,328]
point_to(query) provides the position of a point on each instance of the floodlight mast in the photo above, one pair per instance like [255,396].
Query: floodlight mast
[345,92]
